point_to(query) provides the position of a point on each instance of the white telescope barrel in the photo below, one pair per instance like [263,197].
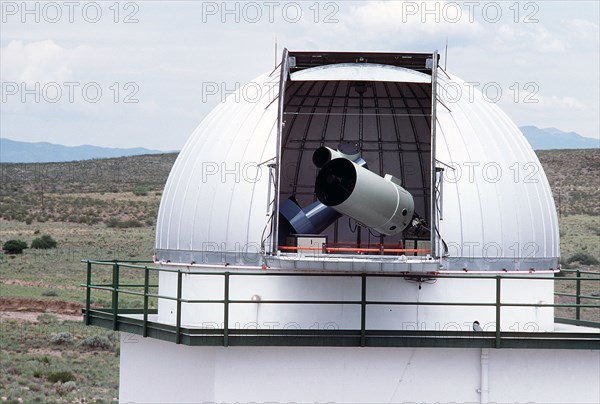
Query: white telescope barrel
[375,202]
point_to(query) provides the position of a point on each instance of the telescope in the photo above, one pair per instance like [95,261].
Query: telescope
[375,202]
[345,186]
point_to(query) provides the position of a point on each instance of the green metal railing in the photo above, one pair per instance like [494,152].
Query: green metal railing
[581,278]
[137,321]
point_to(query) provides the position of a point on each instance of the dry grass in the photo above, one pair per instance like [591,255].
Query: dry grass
[31,360]
[85,192]
[573,176]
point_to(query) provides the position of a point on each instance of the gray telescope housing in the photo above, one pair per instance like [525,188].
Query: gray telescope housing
[378,203]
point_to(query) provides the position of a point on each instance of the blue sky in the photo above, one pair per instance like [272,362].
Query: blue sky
[135,73]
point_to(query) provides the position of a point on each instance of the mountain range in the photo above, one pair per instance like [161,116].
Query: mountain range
[552,138]
[12,151]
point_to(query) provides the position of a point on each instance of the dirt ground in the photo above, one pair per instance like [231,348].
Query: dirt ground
[27,309]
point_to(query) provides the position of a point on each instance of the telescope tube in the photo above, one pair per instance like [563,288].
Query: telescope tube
[378,203]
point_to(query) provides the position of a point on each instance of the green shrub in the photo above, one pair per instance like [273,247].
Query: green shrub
[140,191]
[62,376]
[123,224]
[45,360]
[50,293]
[34,387]
[113,222]
[65,388]
[14,395]
[97,341]
[131,304]
[46,318]
[583,259]
[45,242]
[564,263]
[99,302]
[62,338]
[14,246]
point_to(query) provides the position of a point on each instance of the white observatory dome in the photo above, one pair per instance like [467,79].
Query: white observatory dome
[494,205]
[347,228]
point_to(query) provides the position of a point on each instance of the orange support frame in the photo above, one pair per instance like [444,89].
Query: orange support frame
[355,249]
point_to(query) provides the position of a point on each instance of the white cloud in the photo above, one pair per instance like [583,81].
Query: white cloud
[386,26]
[559,103]
[531,37]
[411,18]
[47,61]
[565,35]
[171,52]
[42,61]
[581,35]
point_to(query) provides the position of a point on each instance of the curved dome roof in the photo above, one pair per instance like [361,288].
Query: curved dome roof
[497,209]
[215,198]
[497,202]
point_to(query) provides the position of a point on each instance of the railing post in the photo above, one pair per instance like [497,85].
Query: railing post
[146,288]
[498,309]
[88,293]
[578,295]
[226,311]
[178,326]
[363,310]
[115,295]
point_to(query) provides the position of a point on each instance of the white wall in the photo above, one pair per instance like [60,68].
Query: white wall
[154,371]
[456,318]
